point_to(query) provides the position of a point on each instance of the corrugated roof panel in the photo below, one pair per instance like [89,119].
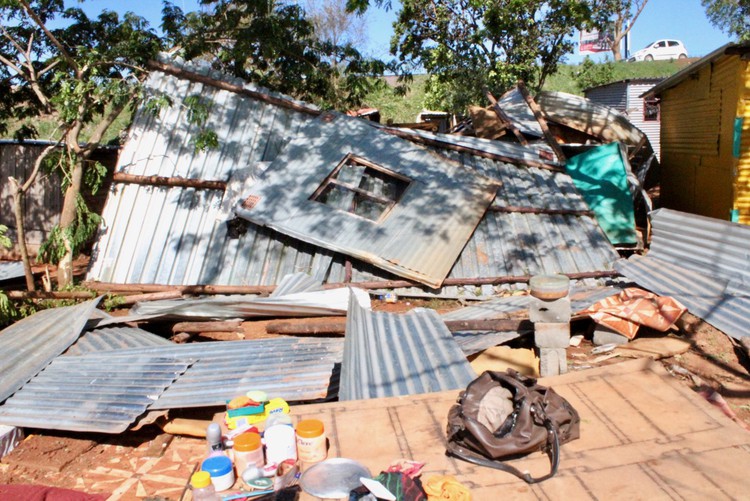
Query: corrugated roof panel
[515,106]
[315,303]
[706,245]
[418,238]
[91,393]
[587,116]
[29,345]
[580,299]
[115,338]
[11,270]
[703,296]
[388,354]
[473,342]
[295,283]
[295,369]
[171,244]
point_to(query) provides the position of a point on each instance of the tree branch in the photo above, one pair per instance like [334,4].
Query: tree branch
[49,34]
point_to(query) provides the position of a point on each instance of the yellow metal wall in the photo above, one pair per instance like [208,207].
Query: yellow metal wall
[742,180]
[698,169]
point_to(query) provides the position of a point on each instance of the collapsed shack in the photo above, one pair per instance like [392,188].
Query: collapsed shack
[308,210]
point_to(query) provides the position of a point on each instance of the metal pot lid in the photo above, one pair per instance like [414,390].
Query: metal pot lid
[333,478]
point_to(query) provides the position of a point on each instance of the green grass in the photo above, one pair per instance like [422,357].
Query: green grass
[399,109]
[48,129]
[564,79]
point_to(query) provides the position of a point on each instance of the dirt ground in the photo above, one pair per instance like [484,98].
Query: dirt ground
[713,362]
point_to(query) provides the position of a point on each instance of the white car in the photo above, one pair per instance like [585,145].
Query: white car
[661,49]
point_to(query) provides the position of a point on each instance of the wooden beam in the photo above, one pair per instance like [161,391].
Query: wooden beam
[339,327]
[267,289]
[506,119]
[404,134]
[121,177]
[237,89]
[534,210]
[542,122]
[213,326]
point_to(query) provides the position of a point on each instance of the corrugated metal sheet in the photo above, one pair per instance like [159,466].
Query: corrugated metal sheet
[704,297]
[708,246]
[295,369]
[515,106]
[115,338]
[295,283]
[473,342]
[154,234]
[29,345]
[388,354]
[587,116]
[499,246]
[634,111]
[302,304]
[91,393]
[613,95]
[11,270]
[500,148]
[419,238]
[580,299]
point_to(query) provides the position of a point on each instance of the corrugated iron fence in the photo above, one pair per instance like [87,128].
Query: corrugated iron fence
[44,200]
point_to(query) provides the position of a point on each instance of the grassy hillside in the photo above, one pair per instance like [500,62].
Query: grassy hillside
[405,109]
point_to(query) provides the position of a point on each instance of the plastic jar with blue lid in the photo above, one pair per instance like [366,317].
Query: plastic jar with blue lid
[221,470]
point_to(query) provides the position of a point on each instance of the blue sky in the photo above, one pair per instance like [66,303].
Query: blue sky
[681,19]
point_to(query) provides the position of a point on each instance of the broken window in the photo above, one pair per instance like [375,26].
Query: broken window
[361,188]
[651,112]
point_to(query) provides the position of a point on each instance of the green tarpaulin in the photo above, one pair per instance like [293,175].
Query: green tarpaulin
[600,176]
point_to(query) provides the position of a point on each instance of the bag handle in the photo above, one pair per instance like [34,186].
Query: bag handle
[552,450]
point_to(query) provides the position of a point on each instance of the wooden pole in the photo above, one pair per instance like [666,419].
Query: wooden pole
[122,177]
[338,327]
[267,289]
[542,122]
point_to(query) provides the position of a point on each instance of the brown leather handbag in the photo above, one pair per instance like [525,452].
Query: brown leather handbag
[504,415]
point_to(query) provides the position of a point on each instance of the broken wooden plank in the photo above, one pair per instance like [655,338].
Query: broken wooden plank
[542,122]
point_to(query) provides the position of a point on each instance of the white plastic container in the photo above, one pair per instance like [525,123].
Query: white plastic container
[221,470]
[281,443]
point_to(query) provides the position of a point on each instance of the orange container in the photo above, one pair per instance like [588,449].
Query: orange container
[311,441]
[247,450]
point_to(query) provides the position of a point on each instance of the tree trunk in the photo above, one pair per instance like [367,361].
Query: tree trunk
[18,195]
[67,219]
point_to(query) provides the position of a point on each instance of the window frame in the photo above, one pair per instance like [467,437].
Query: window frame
[331,179]
[653,101]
